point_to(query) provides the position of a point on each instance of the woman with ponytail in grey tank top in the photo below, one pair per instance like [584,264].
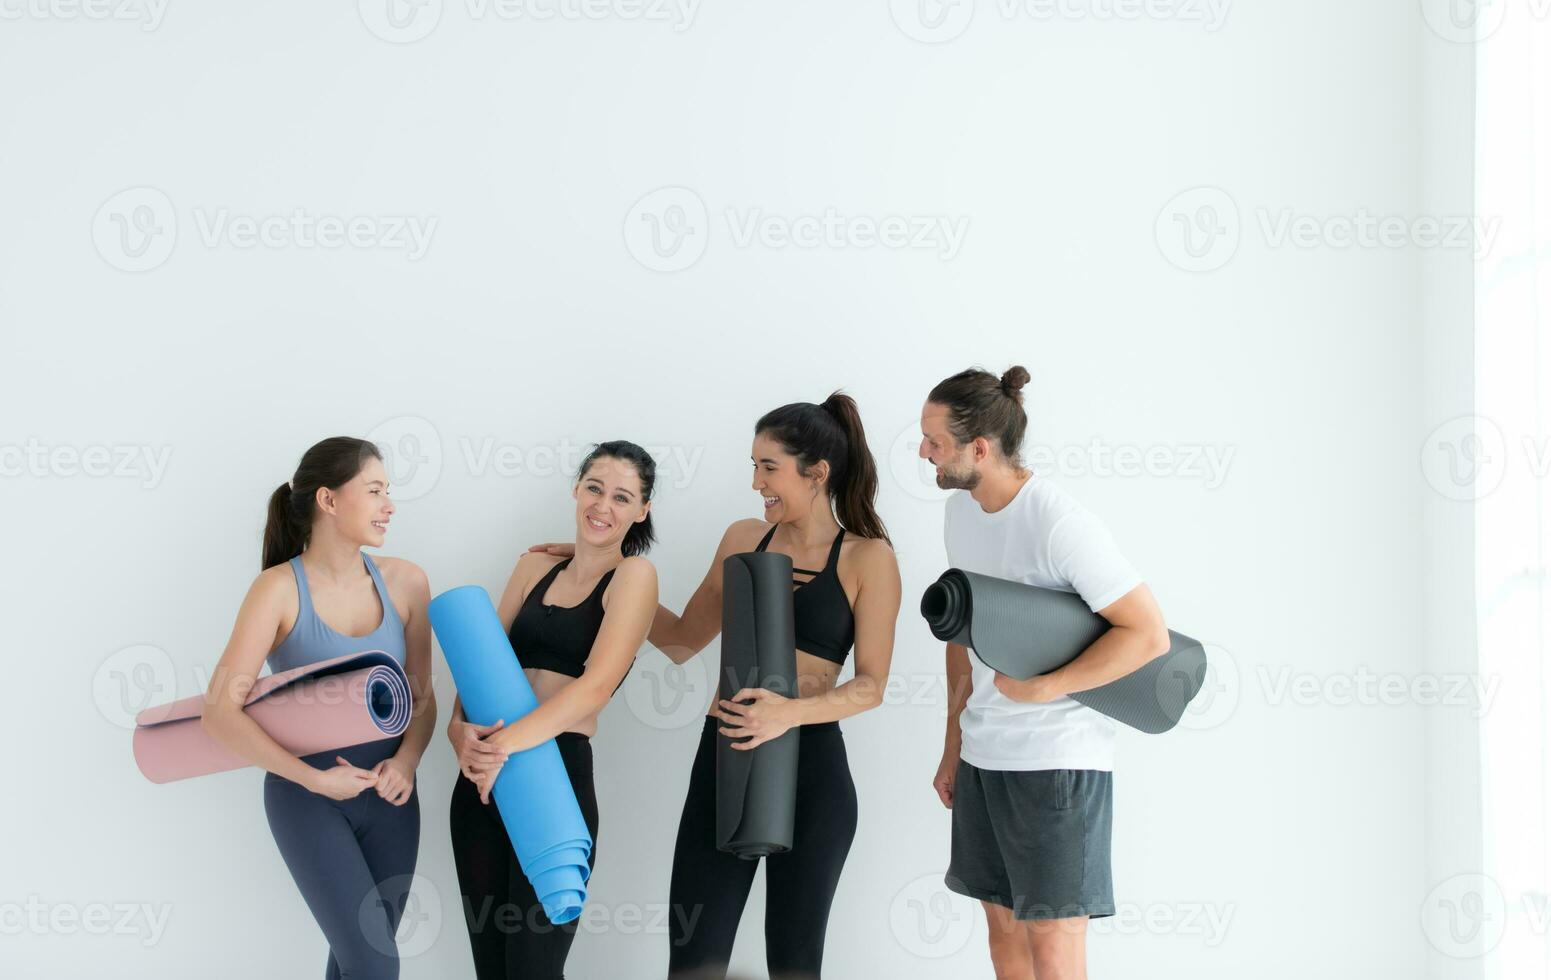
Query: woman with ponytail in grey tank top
[347,823]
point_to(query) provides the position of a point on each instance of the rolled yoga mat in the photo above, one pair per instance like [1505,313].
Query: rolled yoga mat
[756,789]
[321,707]
[1022,630]
[533,792]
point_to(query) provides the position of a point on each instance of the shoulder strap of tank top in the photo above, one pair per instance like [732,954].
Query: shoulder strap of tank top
[834,551]
[382,587]
[536,594]
[766,539]
[303,593]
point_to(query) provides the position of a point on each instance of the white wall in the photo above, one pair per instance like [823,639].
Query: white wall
[1272,833]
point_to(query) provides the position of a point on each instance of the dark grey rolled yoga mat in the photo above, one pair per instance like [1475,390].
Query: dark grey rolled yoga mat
[1022,630]
[756,789]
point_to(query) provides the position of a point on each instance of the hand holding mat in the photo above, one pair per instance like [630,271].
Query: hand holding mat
[756,789]
[532,792]
[321,707]
[1023,630]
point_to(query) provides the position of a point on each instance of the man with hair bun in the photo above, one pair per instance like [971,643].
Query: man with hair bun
[1027,771]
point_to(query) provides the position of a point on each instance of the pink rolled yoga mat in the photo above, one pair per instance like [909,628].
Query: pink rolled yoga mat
[329,705]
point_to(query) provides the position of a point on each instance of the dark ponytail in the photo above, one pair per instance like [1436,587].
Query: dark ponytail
[833,432]
[982,405]
[331,463]
[639,536]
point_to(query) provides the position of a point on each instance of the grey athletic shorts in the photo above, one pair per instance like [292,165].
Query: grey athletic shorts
[1036,842]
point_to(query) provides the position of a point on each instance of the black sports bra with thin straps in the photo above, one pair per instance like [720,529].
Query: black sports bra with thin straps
[822,615]
[558,638]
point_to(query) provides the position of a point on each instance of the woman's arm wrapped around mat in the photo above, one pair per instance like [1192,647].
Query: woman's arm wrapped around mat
[1137,634]
[960,684]
[628,605]
[396,775]
[254,634]
[470,742]
[876,610]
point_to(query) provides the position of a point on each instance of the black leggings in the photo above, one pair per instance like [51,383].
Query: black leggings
[710,885]
[353,861]
[511,936]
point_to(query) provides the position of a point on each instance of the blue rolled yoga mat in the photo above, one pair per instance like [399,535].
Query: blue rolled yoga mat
[533,792]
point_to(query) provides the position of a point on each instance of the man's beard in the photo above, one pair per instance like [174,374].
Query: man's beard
[967,478]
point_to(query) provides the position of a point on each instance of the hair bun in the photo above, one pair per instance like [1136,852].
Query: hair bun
[1014,378]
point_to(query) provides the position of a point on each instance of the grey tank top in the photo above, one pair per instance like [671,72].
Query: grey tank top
[312,640]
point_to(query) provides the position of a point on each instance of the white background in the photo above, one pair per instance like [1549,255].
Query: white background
[1269,834]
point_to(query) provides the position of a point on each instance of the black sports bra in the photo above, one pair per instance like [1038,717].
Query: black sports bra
[825,624]
[558,638]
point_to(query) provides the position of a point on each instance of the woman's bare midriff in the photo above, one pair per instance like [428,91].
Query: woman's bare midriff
[546,684]
[815,675]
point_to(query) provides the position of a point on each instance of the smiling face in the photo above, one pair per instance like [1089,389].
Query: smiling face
[608,502]
[788,495]
[956,469]
[360,508]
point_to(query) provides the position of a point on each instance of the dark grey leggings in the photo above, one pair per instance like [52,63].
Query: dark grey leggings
[352,860]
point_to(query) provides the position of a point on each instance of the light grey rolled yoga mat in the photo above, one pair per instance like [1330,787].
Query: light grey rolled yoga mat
[1022,630]
[756,789]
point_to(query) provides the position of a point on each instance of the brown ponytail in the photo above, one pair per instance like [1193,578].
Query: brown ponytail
[331,463]
[832,432]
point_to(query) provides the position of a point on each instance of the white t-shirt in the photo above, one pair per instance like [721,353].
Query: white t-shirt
[1042,537]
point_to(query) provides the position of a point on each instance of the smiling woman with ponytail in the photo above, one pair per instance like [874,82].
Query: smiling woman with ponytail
[347,823]
[818,483]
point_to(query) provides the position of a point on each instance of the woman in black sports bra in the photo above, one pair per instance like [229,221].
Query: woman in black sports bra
[575,625]
[811,466]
